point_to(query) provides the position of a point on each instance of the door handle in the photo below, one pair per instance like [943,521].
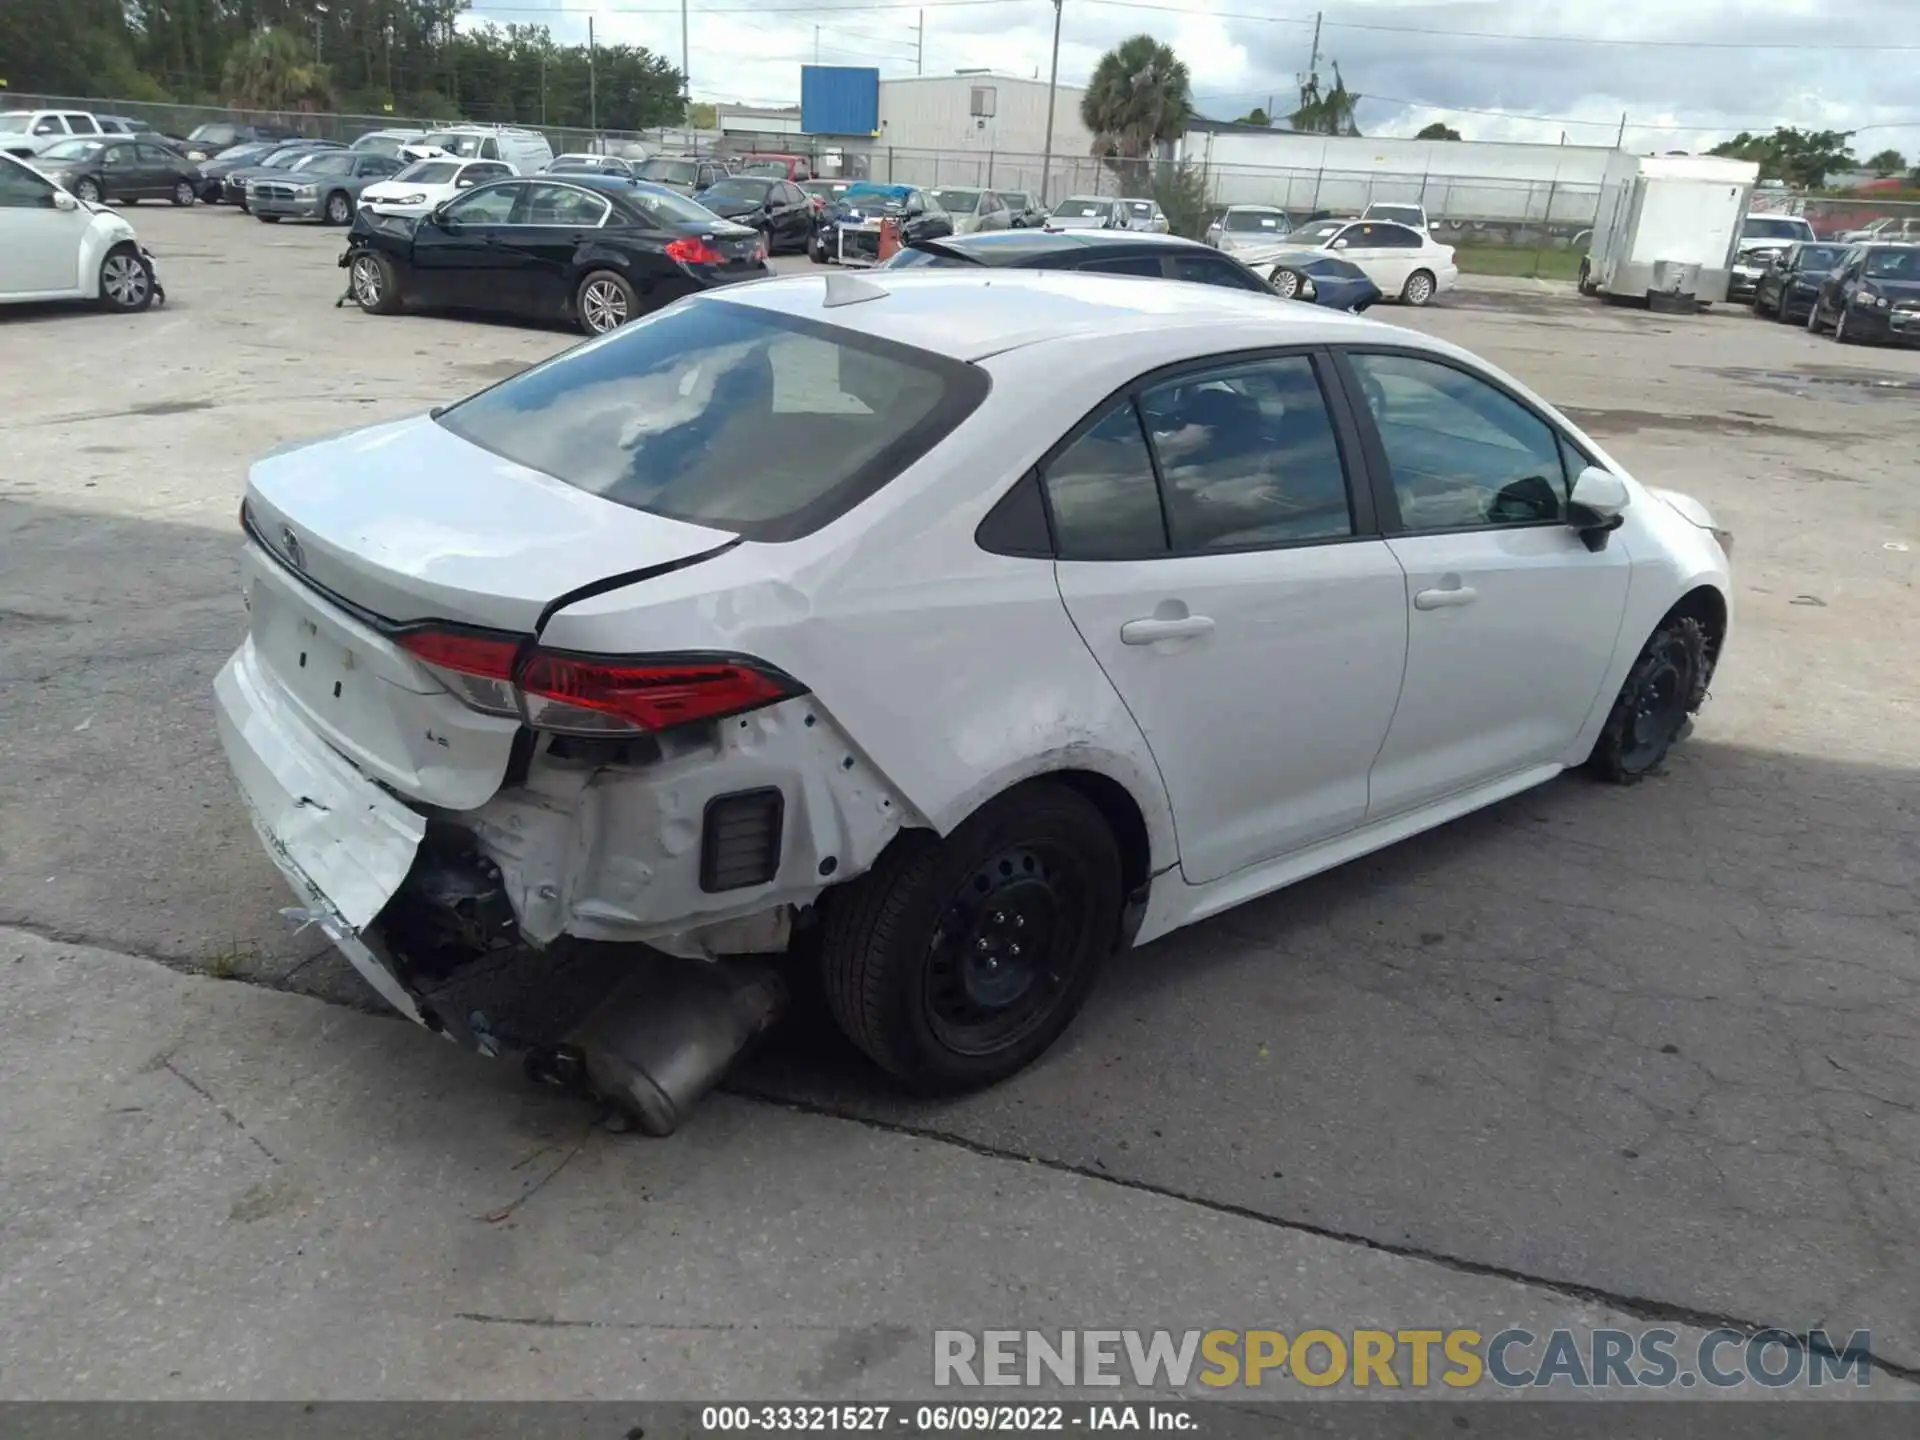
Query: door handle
[1445,599]
[1145,632]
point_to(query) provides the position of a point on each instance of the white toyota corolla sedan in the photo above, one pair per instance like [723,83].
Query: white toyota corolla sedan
[1408,265]
[945,630]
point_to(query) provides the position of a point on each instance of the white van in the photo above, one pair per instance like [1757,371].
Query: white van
[527,151]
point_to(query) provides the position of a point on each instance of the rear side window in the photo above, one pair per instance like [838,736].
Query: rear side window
[1211,270]
[1101,489]
[727,415]
[1147,266]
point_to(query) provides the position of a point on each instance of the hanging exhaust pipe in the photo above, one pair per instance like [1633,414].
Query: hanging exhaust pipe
[666,1035]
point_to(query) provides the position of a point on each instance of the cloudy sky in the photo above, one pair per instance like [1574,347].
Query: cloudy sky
[1686,73]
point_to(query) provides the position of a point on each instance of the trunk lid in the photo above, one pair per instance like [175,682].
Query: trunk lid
[409,522]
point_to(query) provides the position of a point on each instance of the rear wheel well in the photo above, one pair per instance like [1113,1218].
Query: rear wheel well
[1122,814]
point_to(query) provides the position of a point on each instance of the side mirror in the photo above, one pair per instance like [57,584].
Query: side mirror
[1595,506]
[1433,224]
[61,200]
[1340,244]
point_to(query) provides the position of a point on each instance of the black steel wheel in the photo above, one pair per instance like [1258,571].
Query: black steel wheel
[954,963]
[1667,684]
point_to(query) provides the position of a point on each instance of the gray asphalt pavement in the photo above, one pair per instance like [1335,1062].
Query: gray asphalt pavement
[1652,1045]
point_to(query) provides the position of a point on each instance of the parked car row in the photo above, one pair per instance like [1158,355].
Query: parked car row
[1860,292]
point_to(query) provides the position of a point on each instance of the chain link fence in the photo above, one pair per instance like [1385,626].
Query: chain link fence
[1470,210]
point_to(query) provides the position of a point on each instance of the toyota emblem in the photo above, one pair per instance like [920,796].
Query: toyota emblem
[290,545]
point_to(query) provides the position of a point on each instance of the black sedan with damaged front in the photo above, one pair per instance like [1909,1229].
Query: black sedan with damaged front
[848,230]
[594,250]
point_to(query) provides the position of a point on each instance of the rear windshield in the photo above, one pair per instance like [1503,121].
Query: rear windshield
[670,206]
[1774,227]
[726,415]
[14,124]
[681,172]
[1253,221]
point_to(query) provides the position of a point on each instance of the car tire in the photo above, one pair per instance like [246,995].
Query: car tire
[1667,684]
[1419,289]
[1585,284]
[126,280]
[374,284]
[1813,317]
[919,958]
[817,252]
[183,195]
[339,208]
[1840,328]
[1287,284]
[89,190]
[604,302]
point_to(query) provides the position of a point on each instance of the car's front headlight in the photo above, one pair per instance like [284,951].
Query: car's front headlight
[409,200]
[306,190]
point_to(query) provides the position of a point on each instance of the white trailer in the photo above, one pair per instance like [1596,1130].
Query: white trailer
[1667,228]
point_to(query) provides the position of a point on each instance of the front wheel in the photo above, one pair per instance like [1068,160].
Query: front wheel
[954,963]
[1840,333]
[1418,290]
[183,194]
[126,281]
[605,301]
[1285,282]
[89,191]
[339,208]
[1813,317]
[1667,684]
[375,285]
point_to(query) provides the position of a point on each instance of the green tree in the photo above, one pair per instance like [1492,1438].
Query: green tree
[1182,192]
[1438,130]
[275,70]
[1887,162]
[703,117]
[1800,157]
[1140,95]
[1326,112]
[1255,116]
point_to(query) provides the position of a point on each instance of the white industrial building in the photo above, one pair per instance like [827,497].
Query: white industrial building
[978,112]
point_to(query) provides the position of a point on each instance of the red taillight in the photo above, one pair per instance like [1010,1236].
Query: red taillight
[489,657]
[692,250]
[588,694]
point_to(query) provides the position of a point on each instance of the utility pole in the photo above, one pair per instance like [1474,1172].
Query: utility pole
[816,44]
[593,84]
[920,45]
[1053,84]
[1620,140]
[686,70]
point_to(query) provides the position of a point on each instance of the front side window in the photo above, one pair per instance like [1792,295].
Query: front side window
[1102,493]
[154,155]
[49,125]
[485,205]
[118,155]
[1818,258]
[1462,453]
[82,125]
[727,415]
[1248,457]
[21,188]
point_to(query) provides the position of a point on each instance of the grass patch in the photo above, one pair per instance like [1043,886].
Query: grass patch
[227,963]
[1545,262]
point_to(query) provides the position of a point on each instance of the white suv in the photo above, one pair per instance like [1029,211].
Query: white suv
[25,133]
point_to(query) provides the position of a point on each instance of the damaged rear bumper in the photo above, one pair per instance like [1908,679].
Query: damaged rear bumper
[343,843]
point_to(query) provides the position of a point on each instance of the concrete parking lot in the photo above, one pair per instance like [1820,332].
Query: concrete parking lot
[1644,1052]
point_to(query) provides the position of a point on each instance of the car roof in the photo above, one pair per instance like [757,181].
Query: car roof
[969,314]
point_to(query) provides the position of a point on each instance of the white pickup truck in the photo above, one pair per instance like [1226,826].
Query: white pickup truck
[25,133]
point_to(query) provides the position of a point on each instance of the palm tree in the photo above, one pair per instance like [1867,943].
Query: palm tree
[1140,95]
[274,71]
[1328,113]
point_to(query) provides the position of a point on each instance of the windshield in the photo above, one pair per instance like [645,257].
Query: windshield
[1774,227]
[72,150]
[1243,222]
[1405,214]
[214,133]
[1893,264]
[738,187]
[467,146]
[1319,234]
[676,172]
[430,172]
[958,201]
[1080,208]
[1821,257]
[325,162]
[14,124]
[765,167]
[726,415]
[1016,199]
[284,159]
